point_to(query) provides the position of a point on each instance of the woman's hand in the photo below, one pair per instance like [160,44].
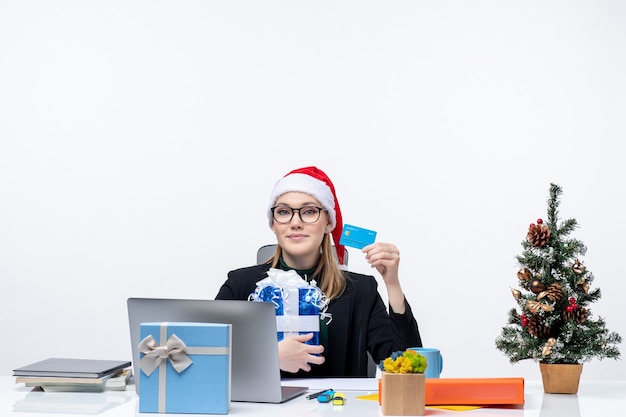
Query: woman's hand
[294,354]
[385,257]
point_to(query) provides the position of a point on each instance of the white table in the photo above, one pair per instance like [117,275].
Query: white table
[594,399]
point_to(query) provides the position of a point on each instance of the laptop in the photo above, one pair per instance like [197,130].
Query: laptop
[255,373]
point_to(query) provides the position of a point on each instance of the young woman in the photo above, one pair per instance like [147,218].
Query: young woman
[304,213]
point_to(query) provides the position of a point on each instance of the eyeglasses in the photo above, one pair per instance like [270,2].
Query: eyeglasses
[308,214]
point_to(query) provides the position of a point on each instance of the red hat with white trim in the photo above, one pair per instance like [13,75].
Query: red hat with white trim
[315,182]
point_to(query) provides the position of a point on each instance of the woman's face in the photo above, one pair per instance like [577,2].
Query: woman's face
[300,241]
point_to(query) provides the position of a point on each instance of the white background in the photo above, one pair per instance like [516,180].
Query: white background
[139,141]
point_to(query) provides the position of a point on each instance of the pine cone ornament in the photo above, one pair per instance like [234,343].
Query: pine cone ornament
[579,314]
[554,292]
[538,234]
[537,328]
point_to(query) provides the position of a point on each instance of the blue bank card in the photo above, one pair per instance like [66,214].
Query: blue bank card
[356,237]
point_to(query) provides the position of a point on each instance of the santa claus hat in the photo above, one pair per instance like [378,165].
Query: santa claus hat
[315,182]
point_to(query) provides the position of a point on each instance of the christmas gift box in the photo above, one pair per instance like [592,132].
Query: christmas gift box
[185,368]
[299,304]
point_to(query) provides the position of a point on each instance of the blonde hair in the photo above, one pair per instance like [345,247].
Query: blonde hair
[332,280]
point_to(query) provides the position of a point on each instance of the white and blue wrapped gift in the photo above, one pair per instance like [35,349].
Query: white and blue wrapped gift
[299,304]
[185,368]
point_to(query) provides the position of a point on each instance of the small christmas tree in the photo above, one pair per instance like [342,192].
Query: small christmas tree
[554,323]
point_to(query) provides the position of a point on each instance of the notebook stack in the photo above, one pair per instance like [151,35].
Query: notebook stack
[69,374]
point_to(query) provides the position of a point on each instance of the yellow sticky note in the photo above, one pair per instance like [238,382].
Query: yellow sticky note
[374,397]
[456,407]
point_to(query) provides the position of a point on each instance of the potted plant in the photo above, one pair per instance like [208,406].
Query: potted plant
[403,384]
[553,324]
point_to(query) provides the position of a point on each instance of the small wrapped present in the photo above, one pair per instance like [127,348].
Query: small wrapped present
[299,304]
[185,368]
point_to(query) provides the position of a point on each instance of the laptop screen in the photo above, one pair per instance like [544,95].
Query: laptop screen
[255,370]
